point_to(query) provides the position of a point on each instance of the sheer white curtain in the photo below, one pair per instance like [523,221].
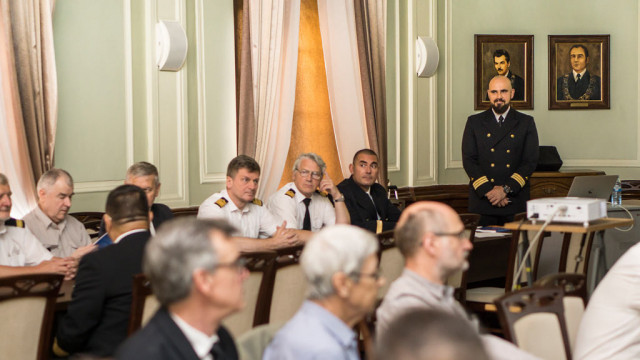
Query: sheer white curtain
[14,153]
[340,47]
[274,57]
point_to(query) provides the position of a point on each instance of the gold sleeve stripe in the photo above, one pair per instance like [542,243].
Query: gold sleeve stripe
[479,182]
[518,178]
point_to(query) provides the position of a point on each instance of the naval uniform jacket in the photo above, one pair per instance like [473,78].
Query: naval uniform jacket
[494,155]
[362,210]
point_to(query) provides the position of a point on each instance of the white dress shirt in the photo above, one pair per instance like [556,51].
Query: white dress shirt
[287,204]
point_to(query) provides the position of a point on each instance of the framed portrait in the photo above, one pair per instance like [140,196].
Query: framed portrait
[508,55]
[578,72]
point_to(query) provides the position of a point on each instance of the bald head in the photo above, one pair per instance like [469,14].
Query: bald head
[421,218]
[500,93]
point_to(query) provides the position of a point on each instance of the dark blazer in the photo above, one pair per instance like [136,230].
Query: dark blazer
[98,315]
[588,86]
[361,209]
[162,339]
[518,84]
[161,213]
[494,155]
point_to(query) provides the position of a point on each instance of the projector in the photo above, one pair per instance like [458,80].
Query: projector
[573,209]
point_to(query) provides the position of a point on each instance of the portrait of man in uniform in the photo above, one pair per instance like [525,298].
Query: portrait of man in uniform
[505,55]
[578,72]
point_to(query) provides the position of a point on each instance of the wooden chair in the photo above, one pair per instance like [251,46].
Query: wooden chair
[533,319]
[27,305]
[256,286]
[459,279]
[289,288]
[574,301]
[143,303]
[186,211]
[91,221]
[390,261]
[630,189]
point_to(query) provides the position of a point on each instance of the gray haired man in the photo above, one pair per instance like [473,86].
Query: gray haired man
[340,264]
[305,203]
[199,283]
[62,234]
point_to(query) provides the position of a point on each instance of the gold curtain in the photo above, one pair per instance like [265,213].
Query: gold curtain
[312,129]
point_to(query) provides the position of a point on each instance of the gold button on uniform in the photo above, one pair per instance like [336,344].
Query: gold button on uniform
[508,151]
[492,149]
[508,165]
[492,180]
[512,136]
[488,134]
[492,164]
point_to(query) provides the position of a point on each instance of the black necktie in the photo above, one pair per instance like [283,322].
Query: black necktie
[216,351]
[500,120]
[578,77]
[306,223]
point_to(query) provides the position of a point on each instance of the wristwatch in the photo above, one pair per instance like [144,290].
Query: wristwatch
[507,189]
[340,199]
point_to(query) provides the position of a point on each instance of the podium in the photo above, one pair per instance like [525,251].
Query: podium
[595,272]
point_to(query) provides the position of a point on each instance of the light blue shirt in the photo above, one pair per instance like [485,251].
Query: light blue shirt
[313,333]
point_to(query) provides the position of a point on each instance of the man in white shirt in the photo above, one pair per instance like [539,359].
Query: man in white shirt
[304,203]
[62,234]
[256,228]
[199,283]
[20,252]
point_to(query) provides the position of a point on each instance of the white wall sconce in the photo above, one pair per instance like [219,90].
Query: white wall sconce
[427,56]
[171,49]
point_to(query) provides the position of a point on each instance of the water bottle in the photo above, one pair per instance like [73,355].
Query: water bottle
[616,195]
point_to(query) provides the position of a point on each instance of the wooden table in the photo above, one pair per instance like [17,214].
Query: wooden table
[597,226]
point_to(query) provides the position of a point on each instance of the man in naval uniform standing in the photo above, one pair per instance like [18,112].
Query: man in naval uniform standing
[499,154]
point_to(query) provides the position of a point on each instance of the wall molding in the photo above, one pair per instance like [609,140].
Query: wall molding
[395,165]
[206,175]
[108,185]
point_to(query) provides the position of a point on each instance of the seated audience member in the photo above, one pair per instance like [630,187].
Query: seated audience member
[98,315]
[340,264]
[610,326]
[20,252]
[145,176]
[430,335]
[62,234]
[199,283]
[239,206]
[435,245]
[304,203]
[369,207]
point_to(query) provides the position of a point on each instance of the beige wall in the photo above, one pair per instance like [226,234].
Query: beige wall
[431,113]
[116,108]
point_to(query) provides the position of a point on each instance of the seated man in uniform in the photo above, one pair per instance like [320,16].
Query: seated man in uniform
[20,252]
[369,207]
[62,234]
[198,283]
[257,228]
[340,264]
[145,176]
[304,203]
[98,315]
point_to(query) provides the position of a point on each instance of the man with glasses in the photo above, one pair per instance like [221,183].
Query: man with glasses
[340,264]
[433,241]
[198,283]
[367,201]
[305,203]
[98,315]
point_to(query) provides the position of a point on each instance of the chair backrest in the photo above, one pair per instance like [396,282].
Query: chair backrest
[574,301]
[143,303]
[260,266]
[391,261]
[253,343]
[91,221]
[186,211]
[27,305]
[459,279]
[533,319]
[289,288]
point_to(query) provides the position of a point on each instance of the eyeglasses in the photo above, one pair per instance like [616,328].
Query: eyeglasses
[239,265]
[375,276]
[463,234]
[314,174]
